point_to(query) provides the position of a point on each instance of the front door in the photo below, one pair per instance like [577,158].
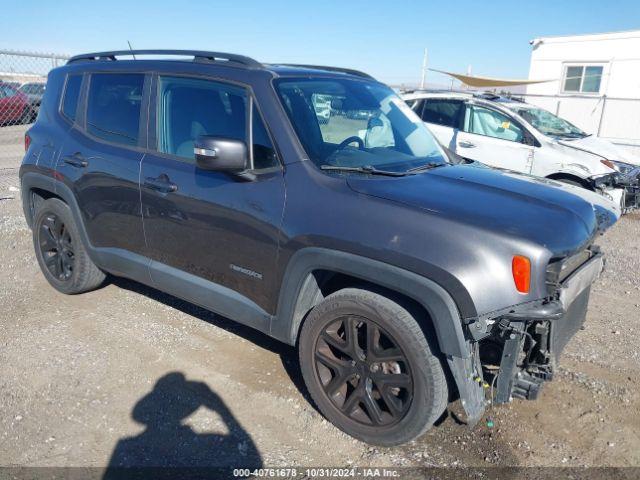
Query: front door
[493,138]
[210,235]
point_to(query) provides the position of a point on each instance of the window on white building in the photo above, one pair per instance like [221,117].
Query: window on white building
[582,79]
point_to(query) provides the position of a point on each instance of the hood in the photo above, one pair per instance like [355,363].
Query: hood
[601,147]
[559,217]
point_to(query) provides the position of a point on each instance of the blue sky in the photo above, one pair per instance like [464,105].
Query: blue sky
[384,38]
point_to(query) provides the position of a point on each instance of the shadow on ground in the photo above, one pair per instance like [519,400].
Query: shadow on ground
[168,442]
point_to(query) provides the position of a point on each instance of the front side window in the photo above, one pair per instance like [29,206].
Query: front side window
[443,112]
[71,95]
[490,123]
[190,107]
[548,124]
[582,79]
[354,123]
[113,106]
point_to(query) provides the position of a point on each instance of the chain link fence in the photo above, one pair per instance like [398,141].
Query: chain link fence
[23,76]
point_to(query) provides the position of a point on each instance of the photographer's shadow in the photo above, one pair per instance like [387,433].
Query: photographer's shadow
[168,442]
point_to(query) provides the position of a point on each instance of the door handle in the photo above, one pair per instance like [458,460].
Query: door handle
[76,160]
[160,184]
[465,144]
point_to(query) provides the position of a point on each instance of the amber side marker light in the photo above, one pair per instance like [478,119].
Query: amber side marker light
[521,268]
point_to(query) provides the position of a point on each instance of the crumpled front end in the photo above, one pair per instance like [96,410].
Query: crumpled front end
[623,188]
[630,182]
[524,343]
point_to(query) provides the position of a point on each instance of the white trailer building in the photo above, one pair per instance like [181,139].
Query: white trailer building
[595,82]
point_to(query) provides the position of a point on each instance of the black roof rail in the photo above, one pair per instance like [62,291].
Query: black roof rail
[330,69]
[198,56]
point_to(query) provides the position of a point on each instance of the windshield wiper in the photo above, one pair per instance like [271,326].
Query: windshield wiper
[368,169]
[426,166]
[573,135]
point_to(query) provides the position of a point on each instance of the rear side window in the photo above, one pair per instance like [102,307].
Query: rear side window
[113,107]
[442,112]
[71,95]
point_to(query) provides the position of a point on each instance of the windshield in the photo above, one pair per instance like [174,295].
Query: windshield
[353,123]
[548,124]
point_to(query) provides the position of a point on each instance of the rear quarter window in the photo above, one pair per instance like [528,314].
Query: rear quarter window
[70,96]
[113,107]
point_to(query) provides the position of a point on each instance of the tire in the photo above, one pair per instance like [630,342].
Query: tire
[60,251]
[362,406]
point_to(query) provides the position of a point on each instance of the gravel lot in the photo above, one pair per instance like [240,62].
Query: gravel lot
[126,375]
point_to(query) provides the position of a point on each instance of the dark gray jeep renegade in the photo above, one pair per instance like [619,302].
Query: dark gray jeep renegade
[312,204]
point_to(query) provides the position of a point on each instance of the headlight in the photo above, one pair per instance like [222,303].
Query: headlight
[619,167]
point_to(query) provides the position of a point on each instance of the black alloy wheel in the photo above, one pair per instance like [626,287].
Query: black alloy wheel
[369,367]
[363,371]
[56,247]
[59,249]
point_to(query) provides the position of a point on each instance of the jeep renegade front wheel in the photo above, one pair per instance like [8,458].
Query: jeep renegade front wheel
[369,368]
[60,252]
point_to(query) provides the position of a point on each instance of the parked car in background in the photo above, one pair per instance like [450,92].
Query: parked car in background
[322,108]
[13,84]
[395,270]
[14,106]
[34,92]
[513,135]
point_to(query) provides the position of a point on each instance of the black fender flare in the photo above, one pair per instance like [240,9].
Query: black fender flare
[435,299]
[31,180]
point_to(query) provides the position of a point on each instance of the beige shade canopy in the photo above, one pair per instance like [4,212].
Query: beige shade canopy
[488,81]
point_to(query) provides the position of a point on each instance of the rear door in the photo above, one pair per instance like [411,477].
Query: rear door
[100,159]
[495,139]
[443,116]
[210,232]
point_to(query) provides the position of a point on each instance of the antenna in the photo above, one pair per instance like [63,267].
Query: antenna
[424,69]
[131,48]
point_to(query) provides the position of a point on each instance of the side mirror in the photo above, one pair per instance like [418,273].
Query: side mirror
[220,154]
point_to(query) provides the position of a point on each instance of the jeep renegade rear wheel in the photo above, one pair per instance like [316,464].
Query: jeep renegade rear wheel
[369,368]
[60,252]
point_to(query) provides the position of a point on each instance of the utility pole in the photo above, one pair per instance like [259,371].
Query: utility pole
[424,70]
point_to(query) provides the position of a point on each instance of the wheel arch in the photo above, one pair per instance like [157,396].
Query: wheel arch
[38,187]
[312,272]
[569,176]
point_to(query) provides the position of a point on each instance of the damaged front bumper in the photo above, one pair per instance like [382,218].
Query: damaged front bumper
[514,351]
[622,188]
[534,336]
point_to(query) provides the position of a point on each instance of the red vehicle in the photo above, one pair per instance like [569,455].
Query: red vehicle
[14,105]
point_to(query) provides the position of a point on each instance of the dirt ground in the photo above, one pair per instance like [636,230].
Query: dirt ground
[126,375]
